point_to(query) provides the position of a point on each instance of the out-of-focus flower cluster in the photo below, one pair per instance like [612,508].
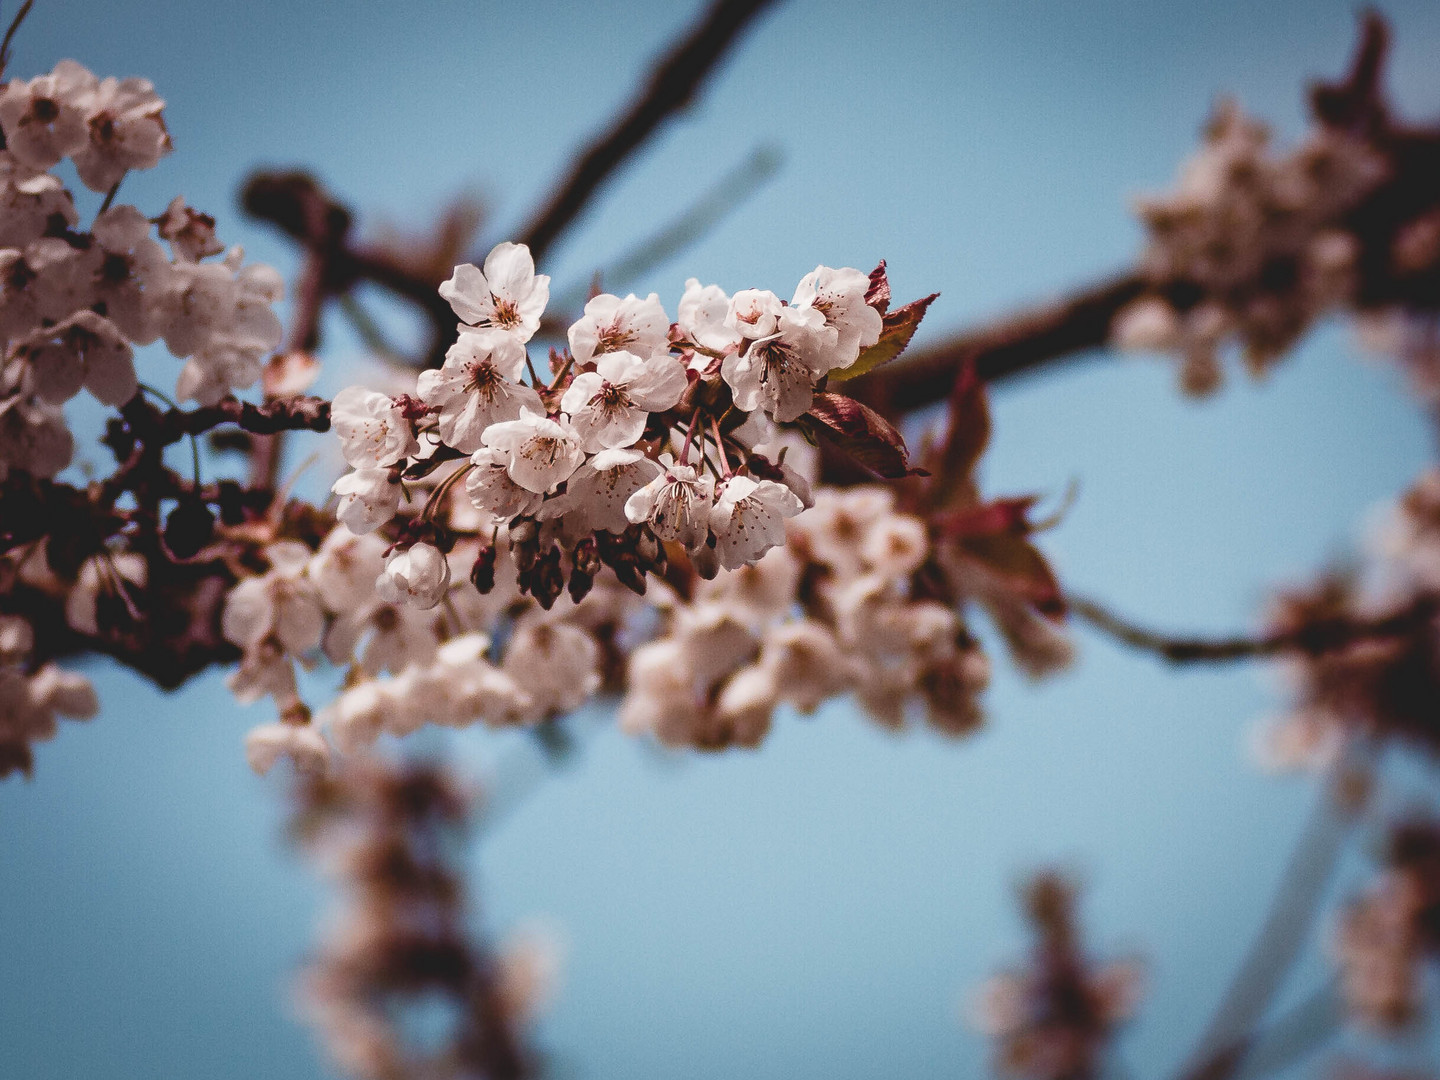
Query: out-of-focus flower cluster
[1251,247]
[400,950]
[1378,677]
[33,699]
[1383,938]
[1055,1018]
[75,303]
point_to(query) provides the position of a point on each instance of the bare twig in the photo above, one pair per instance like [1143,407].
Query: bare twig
[1313,638]
[732,189]
[10,34]
[671,87]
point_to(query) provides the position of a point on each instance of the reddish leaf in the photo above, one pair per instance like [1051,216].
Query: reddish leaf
[1020,565]
[1003,516]
[899,327]
[862,433]
[967,434]
[878,295]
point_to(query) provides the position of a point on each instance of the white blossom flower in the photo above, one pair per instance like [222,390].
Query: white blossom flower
[702,315]
[373,431]
[301,743]
[778,373]
[806,662]
[102,574]
[493,492]
[755,313]
[748,518]
[282,604]
[368,498]
[33,436]
[611,324]
[895,545]
[608,407]
[126,131]
[417,575]
[381,636]
[540,453]
[131,273]
[44,120]
[597,492]
[344,568]
[86,350]
[190,233]
[675,504]
[220,315]
[508,295]
[356,718]
[29,200]
[839,295]
[557,664]
[478,385]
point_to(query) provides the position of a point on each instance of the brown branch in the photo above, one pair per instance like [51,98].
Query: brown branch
[1312,638]
[1002,349]
[672,86]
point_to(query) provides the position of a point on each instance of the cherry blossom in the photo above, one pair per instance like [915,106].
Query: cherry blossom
[508,295]
[778,372]
[839,295]
[675,504]
[612,325]
[608,407]
[417,575]
[45,119]
[540,453]
[478,385]
[374,433]
[126,132]
[368,498]
[748,518]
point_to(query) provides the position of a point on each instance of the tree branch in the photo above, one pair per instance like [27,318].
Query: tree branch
[1313,638]
[672,86]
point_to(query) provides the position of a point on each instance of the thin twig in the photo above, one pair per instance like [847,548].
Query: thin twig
[10,34]
[1313,638]
[732,190]
[672,86]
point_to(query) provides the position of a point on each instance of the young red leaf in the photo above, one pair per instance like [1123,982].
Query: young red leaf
[862,433]
[899,327]
[1022,567]
[878,295]
[967,433]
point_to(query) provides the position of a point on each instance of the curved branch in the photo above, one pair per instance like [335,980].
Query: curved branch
[671,87]
[1313,638]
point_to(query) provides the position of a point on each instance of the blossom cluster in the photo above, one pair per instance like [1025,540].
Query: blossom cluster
[74,304]
[32,699]
[832,612]
[1383,938]
[642,430]
[400,940]
[1055,1018]
[1250,247]
[1381,680]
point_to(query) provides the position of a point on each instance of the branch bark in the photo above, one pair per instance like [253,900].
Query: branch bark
[671,87]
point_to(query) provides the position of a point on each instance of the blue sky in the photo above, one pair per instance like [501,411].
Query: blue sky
[816,909]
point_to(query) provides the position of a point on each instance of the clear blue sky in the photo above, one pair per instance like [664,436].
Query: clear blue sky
[816,909]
